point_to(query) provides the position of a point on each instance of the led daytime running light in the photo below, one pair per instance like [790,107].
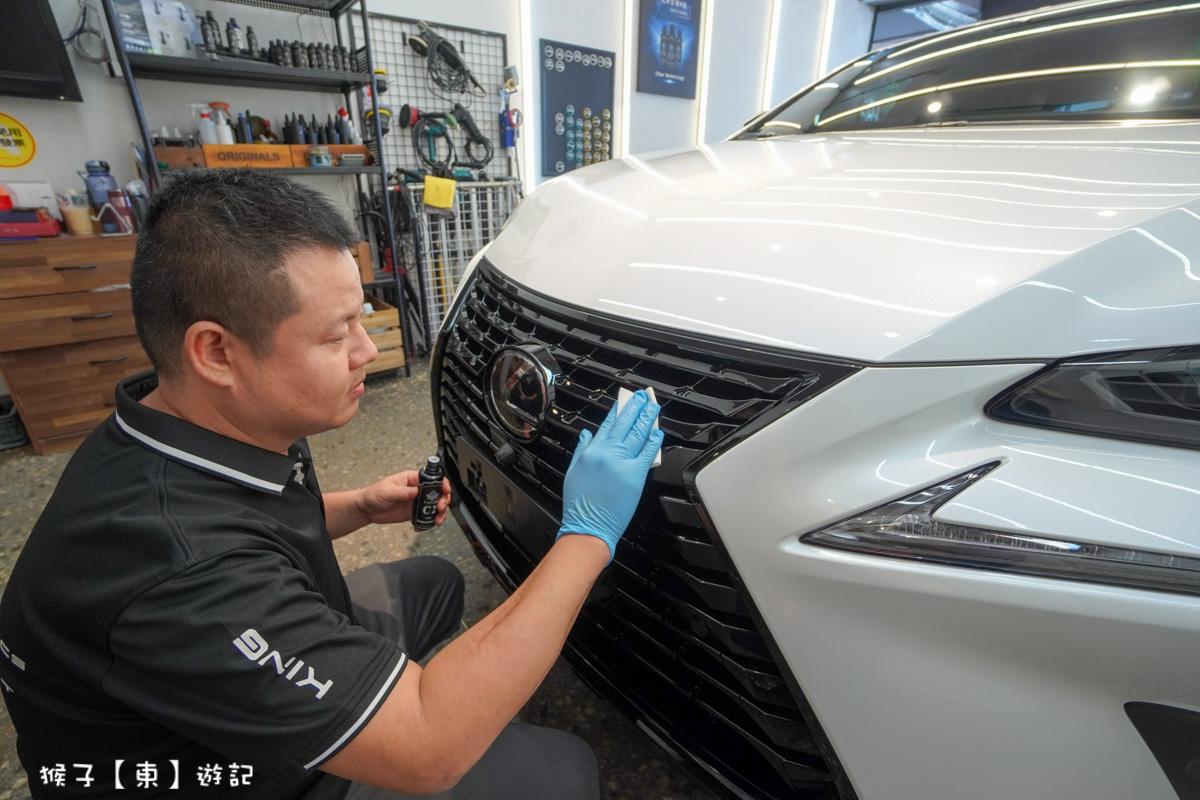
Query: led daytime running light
[905,528]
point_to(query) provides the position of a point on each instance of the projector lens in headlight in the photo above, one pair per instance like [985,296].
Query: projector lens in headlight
[1145,395]
[905,528]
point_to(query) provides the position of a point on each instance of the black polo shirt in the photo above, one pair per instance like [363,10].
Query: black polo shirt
[179,604]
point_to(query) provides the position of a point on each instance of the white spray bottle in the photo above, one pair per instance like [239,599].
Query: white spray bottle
[208,128]
[220,117]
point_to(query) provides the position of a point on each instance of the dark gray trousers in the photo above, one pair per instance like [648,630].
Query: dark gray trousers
[418,602]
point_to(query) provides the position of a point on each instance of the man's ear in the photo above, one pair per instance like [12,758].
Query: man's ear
[209,350]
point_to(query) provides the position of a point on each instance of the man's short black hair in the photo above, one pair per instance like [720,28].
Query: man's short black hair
[214,247]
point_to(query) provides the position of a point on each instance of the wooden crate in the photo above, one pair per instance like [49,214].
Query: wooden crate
[385,322]
[179,157]
[300,152]
[248,155]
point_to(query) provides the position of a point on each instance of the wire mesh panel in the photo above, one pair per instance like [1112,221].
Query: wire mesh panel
[409,83]
[447,245]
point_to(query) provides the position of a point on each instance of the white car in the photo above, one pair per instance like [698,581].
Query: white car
[927,343]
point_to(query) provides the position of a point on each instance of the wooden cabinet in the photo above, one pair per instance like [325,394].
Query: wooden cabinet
[66,333]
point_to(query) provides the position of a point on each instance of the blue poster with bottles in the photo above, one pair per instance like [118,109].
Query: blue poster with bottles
[669,40]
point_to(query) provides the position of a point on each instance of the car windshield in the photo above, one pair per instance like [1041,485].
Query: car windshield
[1093,61]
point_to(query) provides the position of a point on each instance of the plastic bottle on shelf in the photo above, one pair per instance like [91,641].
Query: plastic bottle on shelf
[244,135]
[220,112]
[352,131]
[209,37]
[208,129]
[234,35]
[216,29]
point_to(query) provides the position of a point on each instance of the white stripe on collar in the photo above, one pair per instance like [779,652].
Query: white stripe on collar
[203,463]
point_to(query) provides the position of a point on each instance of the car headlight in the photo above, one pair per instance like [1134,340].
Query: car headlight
[1145,395]
[905,528]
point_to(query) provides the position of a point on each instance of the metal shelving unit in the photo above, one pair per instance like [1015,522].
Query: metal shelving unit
[242,72]
[305,170]
[257,74]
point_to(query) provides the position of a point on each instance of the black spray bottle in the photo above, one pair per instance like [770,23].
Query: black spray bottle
[429,489]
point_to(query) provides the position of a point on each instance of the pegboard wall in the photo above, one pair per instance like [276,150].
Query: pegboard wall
[579,122]
[485,54]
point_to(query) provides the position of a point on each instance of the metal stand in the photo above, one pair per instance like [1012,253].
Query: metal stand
[151,67]
[149,161]
[390,223]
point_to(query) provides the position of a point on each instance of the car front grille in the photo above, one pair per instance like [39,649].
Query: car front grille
[669,632]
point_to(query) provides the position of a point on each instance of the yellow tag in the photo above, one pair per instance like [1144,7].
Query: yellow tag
[439,192]
[17,147]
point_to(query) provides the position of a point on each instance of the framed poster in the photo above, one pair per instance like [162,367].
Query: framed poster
[578,117]
[669,39]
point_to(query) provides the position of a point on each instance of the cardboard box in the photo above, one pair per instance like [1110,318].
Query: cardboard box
[300,152]
[259,156]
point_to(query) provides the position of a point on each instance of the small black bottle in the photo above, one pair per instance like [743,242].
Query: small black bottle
[216,29]
[206,32]
[429,489]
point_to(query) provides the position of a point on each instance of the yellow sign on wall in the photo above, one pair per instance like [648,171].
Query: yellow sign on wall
[17,147]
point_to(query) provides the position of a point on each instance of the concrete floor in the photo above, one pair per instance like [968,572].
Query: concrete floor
[393,431]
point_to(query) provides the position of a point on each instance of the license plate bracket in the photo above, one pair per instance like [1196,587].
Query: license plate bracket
[508,501]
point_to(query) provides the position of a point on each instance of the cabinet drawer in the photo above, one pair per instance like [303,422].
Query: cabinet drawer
[59,444]
[62,319]
[66,251]
[41,279]
[70,388]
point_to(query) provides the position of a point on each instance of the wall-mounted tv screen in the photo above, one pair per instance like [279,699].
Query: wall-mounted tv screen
[33,59]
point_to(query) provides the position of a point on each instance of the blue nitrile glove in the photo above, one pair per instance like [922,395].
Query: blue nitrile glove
[608,472]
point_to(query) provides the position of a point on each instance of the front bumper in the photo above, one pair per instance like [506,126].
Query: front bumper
[669,632]
[934,681]
[783,670]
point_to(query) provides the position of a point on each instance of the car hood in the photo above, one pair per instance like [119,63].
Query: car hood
[915,245]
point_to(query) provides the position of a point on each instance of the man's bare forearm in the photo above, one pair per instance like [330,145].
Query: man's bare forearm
[497,665]
[343,512]
[438,722]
